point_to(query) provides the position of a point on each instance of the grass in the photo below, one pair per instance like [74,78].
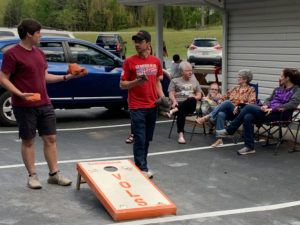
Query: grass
[175,40]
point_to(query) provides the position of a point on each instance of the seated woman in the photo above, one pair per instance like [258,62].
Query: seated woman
[228,104]
[184,93]
[210,102]
[286,96]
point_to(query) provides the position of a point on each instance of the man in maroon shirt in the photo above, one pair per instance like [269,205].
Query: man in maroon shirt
[24,74]
[141,75]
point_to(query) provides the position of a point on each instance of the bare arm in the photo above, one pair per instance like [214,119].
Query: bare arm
[160,92]
[173,99]
[8,85]
[51,78]
[124,84]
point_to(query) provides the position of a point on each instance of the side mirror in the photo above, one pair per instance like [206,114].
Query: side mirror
[187,46]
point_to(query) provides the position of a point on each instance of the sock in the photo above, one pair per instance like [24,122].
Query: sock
[53,174]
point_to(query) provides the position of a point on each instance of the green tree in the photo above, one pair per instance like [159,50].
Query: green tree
[13,13]
[178,19]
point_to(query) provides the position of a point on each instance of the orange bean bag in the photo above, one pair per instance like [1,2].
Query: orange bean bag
[35,97]
[75,69]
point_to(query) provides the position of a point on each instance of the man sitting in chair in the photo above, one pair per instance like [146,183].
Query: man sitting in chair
[184,93]
[286,96]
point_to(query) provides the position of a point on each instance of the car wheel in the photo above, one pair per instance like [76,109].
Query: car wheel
[114,106]
[7,116]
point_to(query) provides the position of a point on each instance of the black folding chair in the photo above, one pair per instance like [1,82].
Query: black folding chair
[274,130]
[197,113]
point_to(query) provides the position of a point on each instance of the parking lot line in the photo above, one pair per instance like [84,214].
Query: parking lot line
[123,157]
[87,128]
[212,214]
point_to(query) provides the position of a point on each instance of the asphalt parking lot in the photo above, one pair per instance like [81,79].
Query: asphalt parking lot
[208,186]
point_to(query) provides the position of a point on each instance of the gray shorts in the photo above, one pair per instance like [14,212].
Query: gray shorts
[30,119]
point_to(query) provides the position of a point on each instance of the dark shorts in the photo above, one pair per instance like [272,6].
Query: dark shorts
[30,119]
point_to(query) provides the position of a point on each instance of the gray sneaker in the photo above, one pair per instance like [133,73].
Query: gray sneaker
[149,174]
[33,182]
[59,179]
[245,151]
[223,133]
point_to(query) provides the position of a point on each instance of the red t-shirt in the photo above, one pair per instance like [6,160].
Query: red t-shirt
[142,96]
[27,69]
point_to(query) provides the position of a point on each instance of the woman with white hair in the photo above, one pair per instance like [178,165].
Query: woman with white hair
[184,93]
[228,107]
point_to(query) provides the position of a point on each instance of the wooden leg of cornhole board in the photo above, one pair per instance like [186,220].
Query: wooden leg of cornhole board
[124,191]
[80,180]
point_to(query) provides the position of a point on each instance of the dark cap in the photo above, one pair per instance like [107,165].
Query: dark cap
[143,35]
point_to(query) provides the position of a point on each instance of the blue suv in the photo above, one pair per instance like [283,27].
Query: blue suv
[99,88]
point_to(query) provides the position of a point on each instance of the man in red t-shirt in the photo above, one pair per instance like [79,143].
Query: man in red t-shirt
[141,76]
[24,74]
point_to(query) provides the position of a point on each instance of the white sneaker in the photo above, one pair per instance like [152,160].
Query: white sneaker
[181,140]
[149,174]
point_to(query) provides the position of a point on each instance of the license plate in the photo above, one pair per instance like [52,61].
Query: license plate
[204,53]
[106,46]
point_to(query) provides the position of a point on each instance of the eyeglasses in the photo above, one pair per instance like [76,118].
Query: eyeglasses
[188,70]
[214,89]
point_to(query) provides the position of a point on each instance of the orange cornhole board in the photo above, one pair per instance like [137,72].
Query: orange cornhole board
[124,191]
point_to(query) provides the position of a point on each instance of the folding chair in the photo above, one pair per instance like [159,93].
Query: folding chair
[296,120]
[197,113]
[276,127]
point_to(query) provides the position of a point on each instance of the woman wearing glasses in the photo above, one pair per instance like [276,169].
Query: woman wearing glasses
[228,104]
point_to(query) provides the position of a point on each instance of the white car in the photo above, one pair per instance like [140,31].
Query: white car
[13,33]
[205,51]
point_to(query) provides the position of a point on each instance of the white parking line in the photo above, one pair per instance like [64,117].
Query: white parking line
[86,128]
[211,214]
[123,157]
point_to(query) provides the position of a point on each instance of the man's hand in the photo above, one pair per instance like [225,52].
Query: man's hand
[31,97]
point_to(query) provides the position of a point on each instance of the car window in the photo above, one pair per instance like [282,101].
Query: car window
[53,50]
[205,43]
[6,34]
[86,55]
[106,39]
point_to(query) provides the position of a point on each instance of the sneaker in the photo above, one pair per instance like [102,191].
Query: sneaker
[33,182]
[149,174]
[218,143]
[59,179]
[223,133]
[181,140]
[245,151]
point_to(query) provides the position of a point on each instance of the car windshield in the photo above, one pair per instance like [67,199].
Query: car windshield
[107,39]
[205,43]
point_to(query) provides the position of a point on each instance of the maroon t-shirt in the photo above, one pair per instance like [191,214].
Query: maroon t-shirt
[27,69]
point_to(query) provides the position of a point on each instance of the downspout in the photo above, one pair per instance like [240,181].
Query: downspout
[225,53]
[159,32]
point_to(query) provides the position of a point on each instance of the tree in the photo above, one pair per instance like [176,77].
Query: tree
[13,13]
[178,19]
